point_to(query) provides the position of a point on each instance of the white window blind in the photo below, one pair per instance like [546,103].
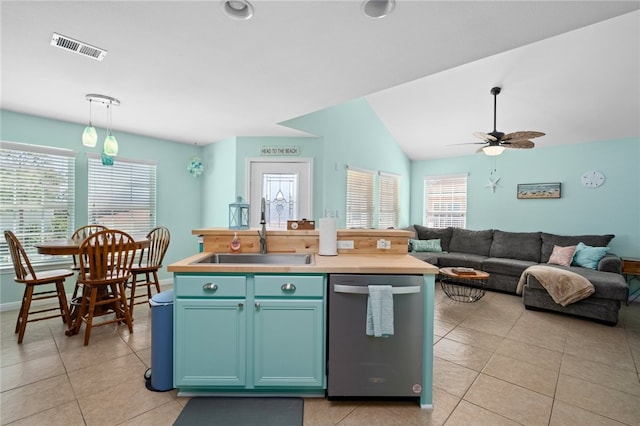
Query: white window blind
[360,202]
[445,201]
[37,197]
[388,202]
[122,196]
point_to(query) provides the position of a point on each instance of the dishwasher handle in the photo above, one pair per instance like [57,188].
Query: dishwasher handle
[353,289]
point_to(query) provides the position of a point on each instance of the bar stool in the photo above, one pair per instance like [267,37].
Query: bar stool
[149,263]
[105,267]
[27,276]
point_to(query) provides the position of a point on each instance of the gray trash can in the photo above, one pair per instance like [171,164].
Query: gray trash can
[160,376]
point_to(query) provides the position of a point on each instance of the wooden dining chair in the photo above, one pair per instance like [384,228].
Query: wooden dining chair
[81,234]
[145,270]
[34,289]
[105,266]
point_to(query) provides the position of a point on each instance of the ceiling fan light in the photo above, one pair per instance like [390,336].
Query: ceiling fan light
[110,146]
[493,150]
[89,137]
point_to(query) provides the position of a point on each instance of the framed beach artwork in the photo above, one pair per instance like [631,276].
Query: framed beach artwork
[538,190]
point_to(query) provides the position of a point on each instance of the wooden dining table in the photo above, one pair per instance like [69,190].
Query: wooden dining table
[71,247]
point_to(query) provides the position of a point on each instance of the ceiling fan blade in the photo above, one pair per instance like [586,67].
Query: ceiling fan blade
[469,143]
[480,150]
[519,144]
[484,136]
[522,135]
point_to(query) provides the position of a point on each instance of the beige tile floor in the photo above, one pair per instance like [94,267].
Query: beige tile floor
[495,364]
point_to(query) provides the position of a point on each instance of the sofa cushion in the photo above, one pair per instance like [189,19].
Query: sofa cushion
[504,266]
[516,245]
[425,245]
[472,242]
[550,240]
[562,255]
[587,256]
[608,285]
[460,259]
[442,234]
[426,256]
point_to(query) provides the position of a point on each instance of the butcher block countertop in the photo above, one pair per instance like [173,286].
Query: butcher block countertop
[342,263]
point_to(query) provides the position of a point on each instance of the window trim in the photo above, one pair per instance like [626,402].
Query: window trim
[63,160]
[449,200]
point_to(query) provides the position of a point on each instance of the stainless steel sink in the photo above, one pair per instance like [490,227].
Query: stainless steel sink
[261,259]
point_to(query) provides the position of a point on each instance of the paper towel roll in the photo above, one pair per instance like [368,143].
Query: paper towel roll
[328,237]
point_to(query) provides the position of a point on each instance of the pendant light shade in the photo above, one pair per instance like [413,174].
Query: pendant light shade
[110,146]
[89,136]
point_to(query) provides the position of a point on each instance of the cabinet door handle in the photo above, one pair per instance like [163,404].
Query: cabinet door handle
[240,305]
[210,287]
[257,305]
[288,287]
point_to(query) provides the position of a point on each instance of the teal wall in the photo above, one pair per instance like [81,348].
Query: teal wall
[354,136]
[351,134]
[614,208]
[177,191]
[219,188]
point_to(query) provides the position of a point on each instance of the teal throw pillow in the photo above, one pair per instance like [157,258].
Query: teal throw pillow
[425,245]
[587,256]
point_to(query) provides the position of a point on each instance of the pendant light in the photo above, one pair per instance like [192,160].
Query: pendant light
[89,136]
[110,147]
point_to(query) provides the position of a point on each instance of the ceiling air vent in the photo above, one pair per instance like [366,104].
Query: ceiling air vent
[79,47]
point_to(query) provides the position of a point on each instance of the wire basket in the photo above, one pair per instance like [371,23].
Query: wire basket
[463,290]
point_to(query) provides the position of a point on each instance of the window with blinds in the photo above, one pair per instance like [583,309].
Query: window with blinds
[388,202]
[445,201]
[360,201]
[37,197]
[372,199]
[122,196]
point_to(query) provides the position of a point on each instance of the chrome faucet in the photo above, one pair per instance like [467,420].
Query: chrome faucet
[263,231]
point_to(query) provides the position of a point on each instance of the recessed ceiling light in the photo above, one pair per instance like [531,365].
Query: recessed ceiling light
[238,9]
[378,8]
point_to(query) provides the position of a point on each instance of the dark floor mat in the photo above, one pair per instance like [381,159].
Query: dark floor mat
[242,412]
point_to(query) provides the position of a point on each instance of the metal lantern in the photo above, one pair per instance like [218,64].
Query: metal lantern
[239,214]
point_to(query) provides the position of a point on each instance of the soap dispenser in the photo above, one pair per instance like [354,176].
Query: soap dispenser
[235,243]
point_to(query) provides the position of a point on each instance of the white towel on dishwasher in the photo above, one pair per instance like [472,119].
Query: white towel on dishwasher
[380,311]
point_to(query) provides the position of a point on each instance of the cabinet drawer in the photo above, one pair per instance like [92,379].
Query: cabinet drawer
[289,286]
[211,286]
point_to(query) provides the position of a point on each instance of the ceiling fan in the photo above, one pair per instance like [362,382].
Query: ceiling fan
[495,142]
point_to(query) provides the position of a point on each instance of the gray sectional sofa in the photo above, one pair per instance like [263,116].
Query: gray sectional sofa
[505,255]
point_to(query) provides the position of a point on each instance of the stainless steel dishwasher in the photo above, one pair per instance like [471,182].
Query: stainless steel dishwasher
[364,366]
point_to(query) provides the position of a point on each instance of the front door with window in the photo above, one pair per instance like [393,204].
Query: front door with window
[286,187]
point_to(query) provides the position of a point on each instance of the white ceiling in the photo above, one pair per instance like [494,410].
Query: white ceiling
[184,71]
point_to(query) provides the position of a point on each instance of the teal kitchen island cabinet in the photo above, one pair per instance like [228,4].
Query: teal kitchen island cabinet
[249,333]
